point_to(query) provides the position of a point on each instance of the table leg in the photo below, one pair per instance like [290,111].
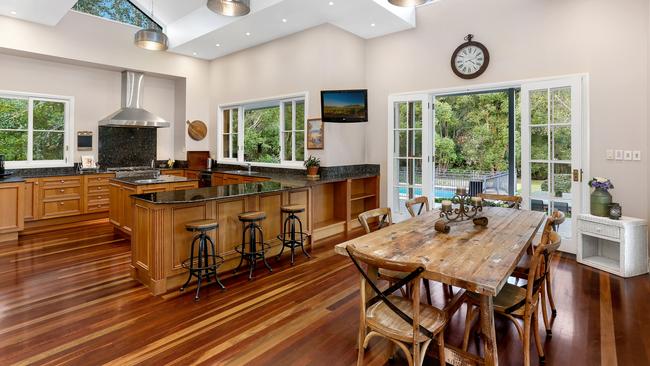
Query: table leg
[487,329]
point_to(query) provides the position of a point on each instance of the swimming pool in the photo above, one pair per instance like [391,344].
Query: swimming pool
[439,193]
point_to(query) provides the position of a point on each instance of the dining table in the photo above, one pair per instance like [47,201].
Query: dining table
[472,257]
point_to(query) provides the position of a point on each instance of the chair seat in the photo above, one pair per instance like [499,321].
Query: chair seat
[392,276]
[293,208]
[202,225]
[509,296]
[252,216]
[382,319]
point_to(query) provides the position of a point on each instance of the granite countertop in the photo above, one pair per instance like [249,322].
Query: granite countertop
[277,183]
[142,180]
[11,179]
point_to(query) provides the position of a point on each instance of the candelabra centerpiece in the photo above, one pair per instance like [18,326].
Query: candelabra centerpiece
[469,208]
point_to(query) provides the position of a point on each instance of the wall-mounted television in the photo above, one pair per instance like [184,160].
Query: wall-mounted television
[344,105]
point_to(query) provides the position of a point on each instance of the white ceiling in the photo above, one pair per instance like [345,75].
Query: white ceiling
[194,30]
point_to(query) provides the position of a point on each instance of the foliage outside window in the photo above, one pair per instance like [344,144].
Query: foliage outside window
[123,11]
[33,130]
[270,132]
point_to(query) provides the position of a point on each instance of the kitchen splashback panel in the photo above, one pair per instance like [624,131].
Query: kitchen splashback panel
[120,147]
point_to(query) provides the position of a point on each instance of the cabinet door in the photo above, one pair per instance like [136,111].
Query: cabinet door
[153,188]
[192,174]
[231,179]
[217,179]
[31,199]
[115,209]
[127,207]
[184,186]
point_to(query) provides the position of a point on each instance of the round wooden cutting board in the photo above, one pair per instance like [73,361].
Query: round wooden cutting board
[197,130]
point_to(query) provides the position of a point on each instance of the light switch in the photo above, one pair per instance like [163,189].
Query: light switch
[627,155]
[609,153]
[618,154]
[636,155]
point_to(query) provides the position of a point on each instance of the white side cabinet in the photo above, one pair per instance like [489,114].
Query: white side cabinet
[616,246]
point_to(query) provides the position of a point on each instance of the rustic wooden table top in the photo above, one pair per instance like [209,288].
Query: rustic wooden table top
[475,258]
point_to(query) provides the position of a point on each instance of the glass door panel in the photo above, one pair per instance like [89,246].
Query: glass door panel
[551,123]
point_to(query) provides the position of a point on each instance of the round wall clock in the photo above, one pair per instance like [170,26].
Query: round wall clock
[470,59]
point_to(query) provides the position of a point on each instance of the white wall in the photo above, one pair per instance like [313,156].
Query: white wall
[96,93]
[529,39]
[323,57]
[90,41]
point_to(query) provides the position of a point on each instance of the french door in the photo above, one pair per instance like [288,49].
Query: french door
[410,151]
[551,149]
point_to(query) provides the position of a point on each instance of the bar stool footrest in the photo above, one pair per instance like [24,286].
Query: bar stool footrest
[216,260]
[265,247]
[300,236]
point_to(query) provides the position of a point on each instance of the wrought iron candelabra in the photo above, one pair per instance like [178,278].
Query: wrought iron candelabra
[469,208]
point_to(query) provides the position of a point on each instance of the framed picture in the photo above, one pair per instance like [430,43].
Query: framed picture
[315,134]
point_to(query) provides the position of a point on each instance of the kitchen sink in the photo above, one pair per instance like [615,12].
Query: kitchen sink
[150,181]
[241,172]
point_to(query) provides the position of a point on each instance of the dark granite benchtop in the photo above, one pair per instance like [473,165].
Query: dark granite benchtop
[277,183]
[11,179]
[53,172]
[142,180]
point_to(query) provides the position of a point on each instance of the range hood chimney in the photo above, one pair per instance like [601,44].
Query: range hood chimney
[132,114]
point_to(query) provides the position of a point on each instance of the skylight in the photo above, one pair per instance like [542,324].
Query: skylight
[123,11]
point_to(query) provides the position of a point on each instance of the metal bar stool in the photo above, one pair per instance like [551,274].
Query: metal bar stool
[206,262]
[256,247]
[289,229]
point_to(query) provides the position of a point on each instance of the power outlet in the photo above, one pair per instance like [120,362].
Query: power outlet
[627,155]
[636,155]
[609,153]
[618,154]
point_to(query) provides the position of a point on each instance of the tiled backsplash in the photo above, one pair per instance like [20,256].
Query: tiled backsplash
[120,146]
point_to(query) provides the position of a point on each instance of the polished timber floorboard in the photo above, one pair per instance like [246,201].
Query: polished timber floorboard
[66,298]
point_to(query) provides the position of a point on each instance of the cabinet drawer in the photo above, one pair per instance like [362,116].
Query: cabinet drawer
[98,196]
[100,180]
[61,208]
[57,182]
[98,189]
[599,229]
[62,191]
[183,187]
[97,206]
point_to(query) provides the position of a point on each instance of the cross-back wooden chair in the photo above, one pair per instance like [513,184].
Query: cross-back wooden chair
[509,201]
[522,303]
[383,217]
[406,322]
[416,207]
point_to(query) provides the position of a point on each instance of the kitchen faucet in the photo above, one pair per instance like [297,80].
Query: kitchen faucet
[248,165]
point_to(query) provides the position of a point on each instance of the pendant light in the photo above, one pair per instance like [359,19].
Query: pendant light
[405,3]
[151,38]
[230,8]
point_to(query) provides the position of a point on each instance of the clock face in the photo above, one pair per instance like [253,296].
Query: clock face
[469,60]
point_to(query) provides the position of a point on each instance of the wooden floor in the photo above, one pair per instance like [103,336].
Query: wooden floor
[66,298]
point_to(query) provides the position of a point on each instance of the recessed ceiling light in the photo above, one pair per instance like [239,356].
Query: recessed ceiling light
[372,24]
[193,53]
[218,45]
[248,33]
[331,3]
[284,20]
[13,12]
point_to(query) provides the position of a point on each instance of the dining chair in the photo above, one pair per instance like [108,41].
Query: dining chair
[405,322]
[509,201]
[416,207]
[521,303]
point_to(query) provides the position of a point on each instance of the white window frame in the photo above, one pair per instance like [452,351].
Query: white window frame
[233,125]
[68,129]
[258,103]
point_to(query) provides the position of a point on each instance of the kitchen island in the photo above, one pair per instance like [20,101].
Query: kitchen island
[160,243]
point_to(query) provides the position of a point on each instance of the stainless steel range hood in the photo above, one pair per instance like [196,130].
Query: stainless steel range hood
[132,114]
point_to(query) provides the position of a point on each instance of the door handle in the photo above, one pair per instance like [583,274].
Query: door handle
[577,175]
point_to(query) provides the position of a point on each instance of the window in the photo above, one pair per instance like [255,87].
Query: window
[123,11]
[267,132]
[34,130]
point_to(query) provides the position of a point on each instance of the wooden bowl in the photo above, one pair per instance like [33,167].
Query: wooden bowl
[197,130]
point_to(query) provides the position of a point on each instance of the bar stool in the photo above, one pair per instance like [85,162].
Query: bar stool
[256,248]
[205,263]
[289,229]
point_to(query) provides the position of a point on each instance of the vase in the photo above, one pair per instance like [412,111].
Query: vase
[600,201]
[312,170]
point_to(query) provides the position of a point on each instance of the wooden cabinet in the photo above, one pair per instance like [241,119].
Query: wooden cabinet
[221,179]
[174,172]
[12,216]
[31,199]
[192,174]
[121,203]
[97,193]
[60,196]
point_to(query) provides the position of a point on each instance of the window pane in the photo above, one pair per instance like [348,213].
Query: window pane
[562,143]
[539,143]
[417,114]
[226,121]
[13,113]
[49,115]
[262,137]
[538,107]
[288,117]
[119,10]
[226,146]
[400,119]
[562,180]
[561,105]
[48,145]
[235,145]
[415,148]
[539,179]
[300,146]
[300,116]
[288,145]
[13,145]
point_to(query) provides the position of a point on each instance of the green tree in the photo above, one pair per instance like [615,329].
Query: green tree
[119,10]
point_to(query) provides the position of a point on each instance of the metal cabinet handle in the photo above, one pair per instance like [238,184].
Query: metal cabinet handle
[61,203]
[62,181]
[63,190]
[99,197]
